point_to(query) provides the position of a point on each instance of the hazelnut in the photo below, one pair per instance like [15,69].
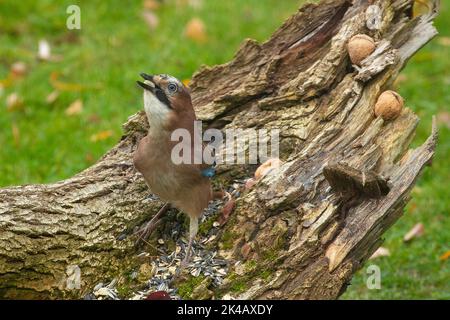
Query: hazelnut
[389,105]
[360,47]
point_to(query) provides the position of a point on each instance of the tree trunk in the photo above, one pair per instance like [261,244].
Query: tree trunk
[345,179]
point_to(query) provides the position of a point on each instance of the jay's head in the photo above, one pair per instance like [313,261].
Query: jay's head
[166,99]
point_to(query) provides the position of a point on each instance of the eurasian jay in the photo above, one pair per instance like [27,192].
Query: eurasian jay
[187,186]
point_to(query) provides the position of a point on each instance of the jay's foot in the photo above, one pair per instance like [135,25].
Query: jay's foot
[147,230]
[184,263]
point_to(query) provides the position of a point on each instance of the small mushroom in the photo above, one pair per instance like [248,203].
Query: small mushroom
[360,47]
[389,105]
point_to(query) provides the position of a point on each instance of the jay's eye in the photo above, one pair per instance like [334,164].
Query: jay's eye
[172,87]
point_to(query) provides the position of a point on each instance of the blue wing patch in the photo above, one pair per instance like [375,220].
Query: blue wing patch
[209,172]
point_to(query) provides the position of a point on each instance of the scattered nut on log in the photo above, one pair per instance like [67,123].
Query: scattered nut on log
[360,47]
[389,105]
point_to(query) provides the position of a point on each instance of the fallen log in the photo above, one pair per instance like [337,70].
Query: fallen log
[303,230]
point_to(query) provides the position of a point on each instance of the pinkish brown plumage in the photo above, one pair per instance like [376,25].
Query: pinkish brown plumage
[168,106]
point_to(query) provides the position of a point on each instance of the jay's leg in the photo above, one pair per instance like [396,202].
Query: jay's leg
[144,232]
[193,229]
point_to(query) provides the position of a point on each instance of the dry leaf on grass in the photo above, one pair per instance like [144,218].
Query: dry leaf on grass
[151,19]
[445,256]
[51,98]
[102,135]
[66,86]
[89,157]
[380,252]
[186,82]
[63,86]
[94,118]
[18,69]
[195,30]
[14,102]
[8,81]
[75,108]
[196,4]
[151,4]
[415,232]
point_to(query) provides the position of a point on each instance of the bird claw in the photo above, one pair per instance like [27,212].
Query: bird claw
[144,233]
[147,230]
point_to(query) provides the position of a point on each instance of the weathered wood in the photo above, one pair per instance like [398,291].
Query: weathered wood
[292,224]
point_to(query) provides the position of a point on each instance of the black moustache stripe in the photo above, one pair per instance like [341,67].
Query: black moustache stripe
[162,97]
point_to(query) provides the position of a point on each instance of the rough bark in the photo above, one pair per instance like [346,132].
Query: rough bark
[307,227]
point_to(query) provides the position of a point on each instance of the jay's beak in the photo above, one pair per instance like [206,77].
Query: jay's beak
[148,84]
[151,84]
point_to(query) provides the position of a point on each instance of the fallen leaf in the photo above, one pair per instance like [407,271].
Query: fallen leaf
[195,30]
[18,69]
[158,295]
[71,36]
[380,252]
[14,102]
[44,50]
[266,167]
[412,206]
[227,209]
[64,86]
[415,232]
[102,135]
[151,4]
[186,82]
[75,108]
[150,19]
[94,118]
[443,117]
[445,256]
[15,134]
[8,81]
[444,41]
[51,98]
[89,157]
[196,4]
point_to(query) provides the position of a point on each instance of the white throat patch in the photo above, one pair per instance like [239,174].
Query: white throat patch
[157,112]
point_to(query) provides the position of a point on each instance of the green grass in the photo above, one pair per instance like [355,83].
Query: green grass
[115,44]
